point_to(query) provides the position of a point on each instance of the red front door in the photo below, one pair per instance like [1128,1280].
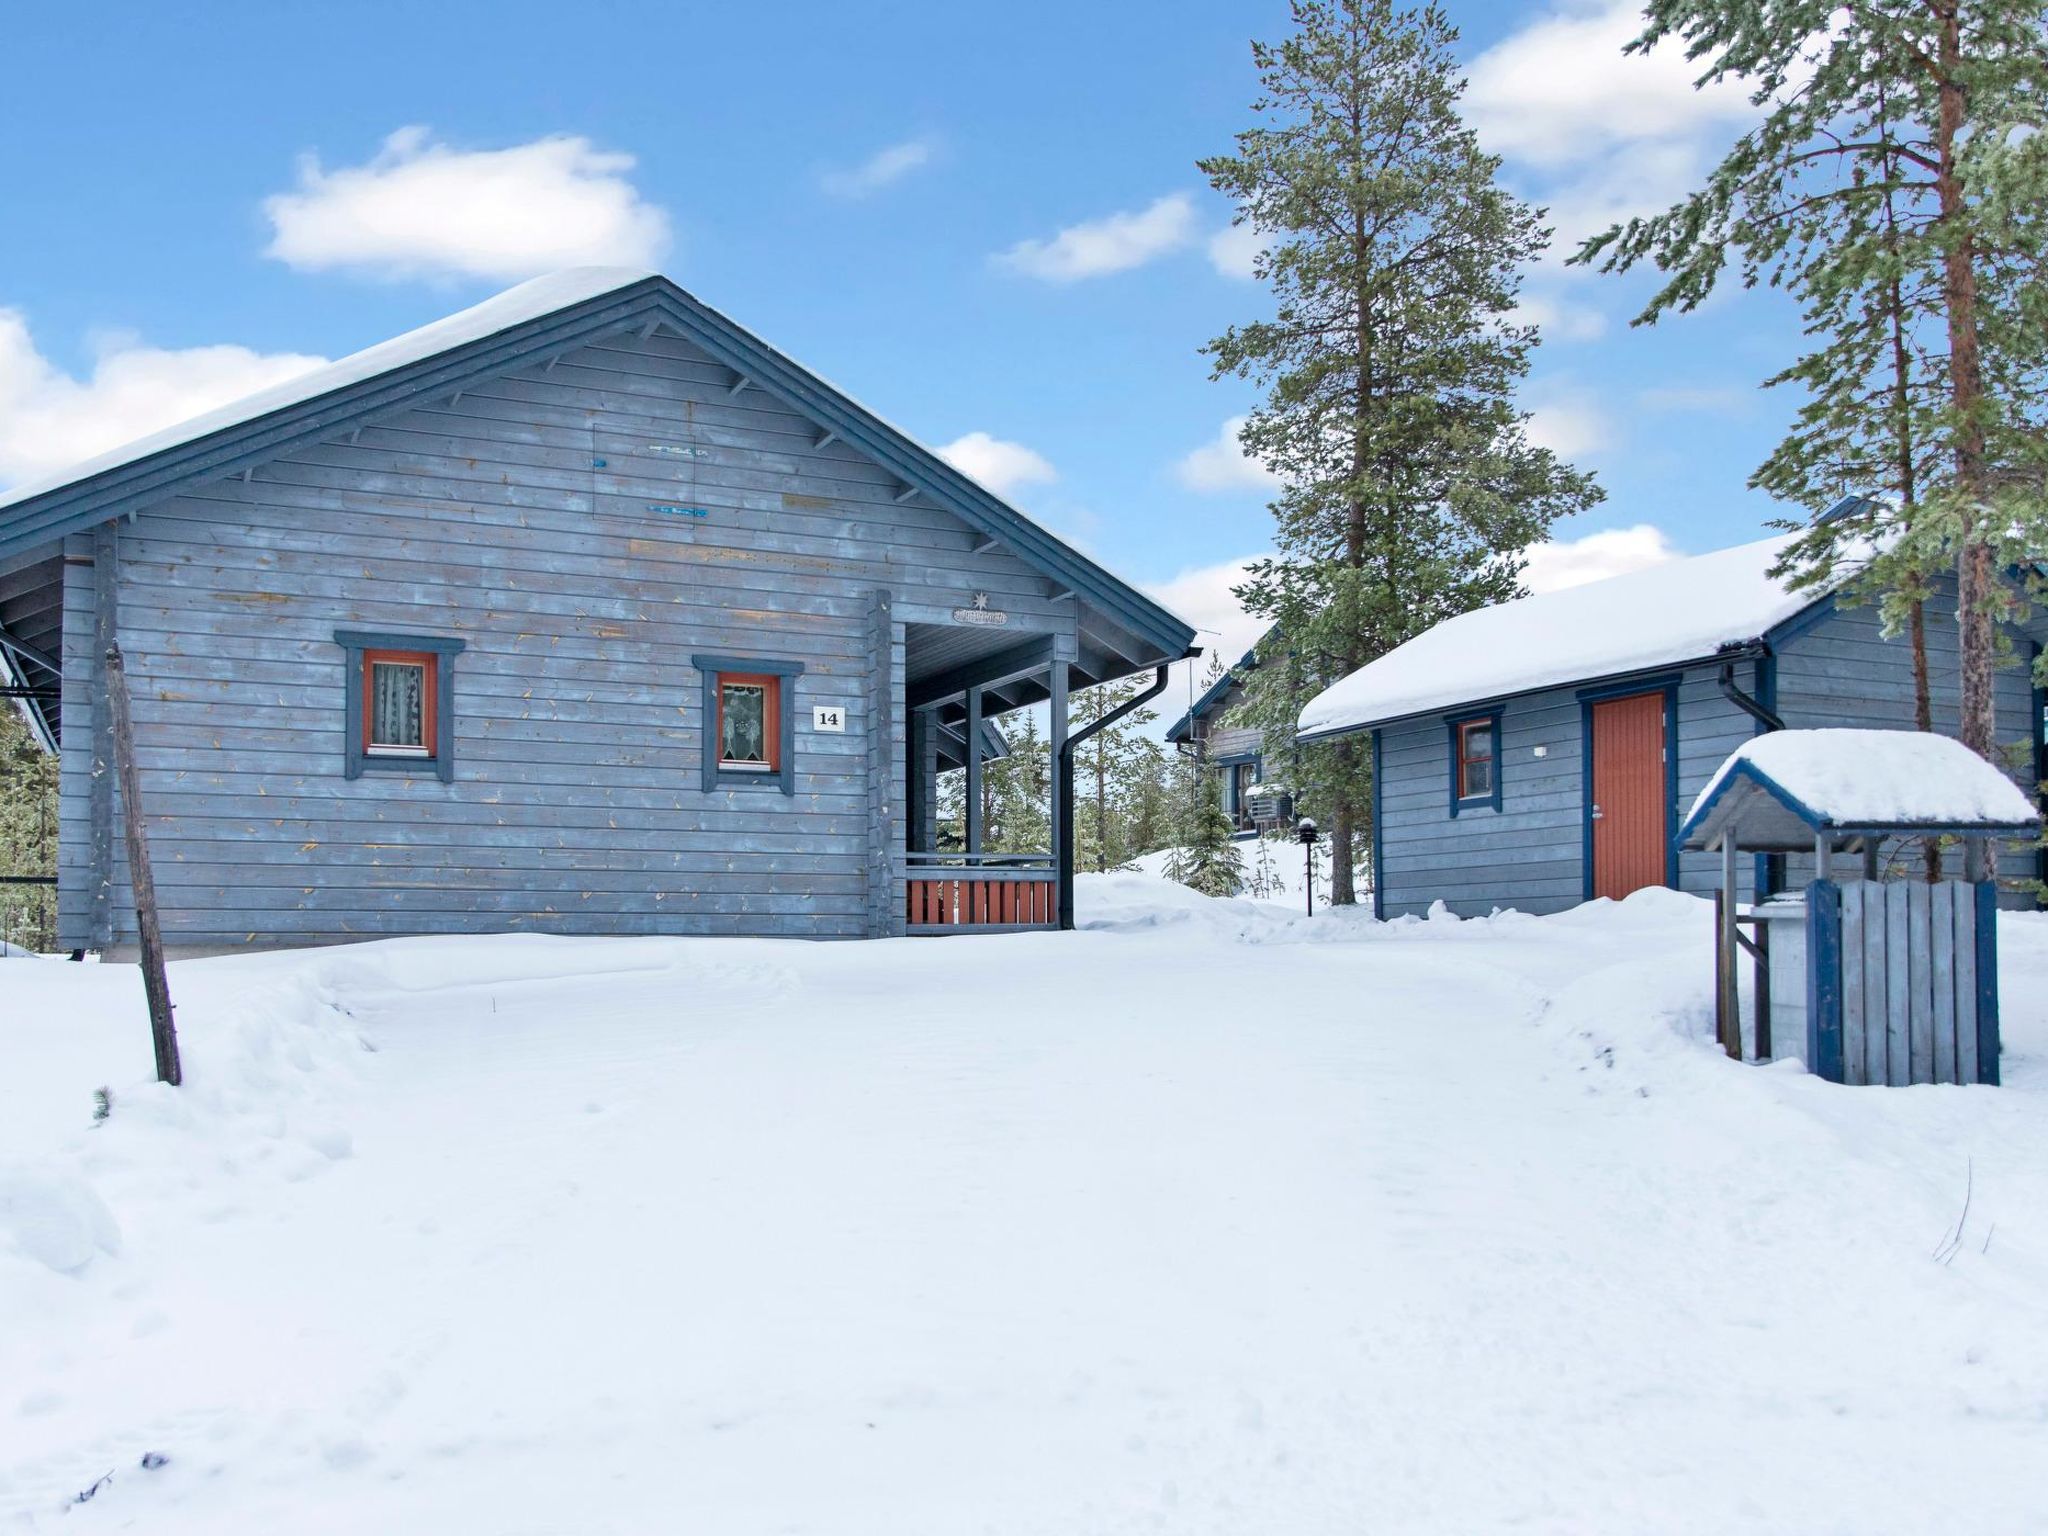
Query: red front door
[1629,809]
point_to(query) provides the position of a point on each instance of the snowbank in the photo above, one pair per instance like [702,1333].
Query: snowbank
[1209,1217]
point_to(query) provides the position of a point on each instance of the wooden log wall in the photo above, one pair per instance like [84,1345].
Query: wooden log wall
[585,527]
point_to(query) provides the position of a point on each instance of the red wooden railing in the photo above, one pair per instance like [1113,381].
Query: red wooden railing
[960,892]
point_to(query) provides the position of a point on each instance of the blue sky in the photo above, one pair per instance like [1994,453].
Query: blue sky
[985,222]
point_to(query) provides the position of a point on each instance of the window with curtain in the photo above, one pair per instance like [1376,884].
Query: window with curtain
[398,704]
[749,720]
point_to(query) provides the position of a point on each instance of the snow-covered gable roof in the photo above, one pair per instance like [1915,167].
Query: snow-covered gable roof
[1857,781]
[515,306]
[1683,610]
[537,320]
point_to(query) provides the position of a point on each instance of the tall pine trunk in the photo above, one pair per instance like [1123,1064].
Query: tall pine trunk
[1974,571]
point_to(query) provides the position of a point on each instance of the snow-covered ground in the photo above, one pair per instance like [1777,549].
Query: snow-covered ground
[1282,879]
[1208,1219]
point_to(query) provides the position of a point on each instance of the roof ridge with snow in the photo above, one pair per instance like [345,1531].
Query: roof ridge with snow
[1680,611]
[515,306]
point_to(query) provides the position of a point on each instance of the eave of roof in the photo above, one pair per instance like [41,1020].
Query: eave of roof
[1213,695]
[120,483]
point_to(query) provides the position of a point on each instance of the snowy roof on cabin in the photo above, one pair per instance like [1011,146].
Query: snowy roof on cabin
[1682,610]
[1873,779]
[515,306]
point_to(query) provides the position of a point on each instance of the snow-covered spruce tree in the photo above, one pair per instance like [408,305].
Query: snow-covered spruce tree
[1205,856]
[1927,113]
[1390,362]
[1109,770]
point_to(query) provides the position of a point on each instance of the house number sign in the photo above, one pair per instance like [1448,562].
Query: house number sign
[828,717]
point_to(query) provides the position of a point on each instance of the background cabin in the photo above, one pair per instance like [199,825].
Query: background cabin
[582,611]
[1234,754]
[1538,753]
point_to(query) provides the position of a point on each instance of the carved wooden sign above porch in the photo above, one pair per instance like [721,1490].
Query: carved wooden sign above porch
[979,612]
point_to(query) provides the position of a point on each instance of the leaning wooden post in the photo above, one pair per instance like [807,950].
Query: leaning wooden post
[163,1031]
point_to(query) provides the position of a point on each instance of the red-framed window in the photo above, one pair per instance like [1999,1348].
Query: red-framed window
[400,700]
[749,722]
[1477,750]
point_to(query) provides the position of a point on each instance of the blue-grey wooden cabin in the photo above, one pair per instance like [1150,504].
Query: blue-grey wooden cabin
[584,611]
[1539,753]
[1233,753]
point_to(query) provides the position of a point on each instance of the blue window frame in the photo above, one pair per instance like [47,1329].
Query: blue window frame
[1475,761]
[377,658]
[766,688]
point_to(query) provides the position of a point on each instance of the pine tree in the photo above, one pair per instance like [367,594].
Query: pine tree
[1391,361]
[1900,169]
[1151,802]
[1017,790]
[1109,769]
[1205,856]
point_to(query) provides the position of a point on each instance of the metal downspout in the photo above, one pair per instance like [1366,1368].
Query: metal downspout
[1745,702]
[1063,837]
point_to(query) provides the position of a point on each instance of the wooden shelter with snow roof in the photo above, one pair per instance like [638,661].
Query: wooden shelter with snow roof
[1883,977]
[582,611]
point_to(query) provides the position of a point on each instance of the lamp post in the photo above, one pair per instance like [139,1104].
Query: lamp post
[1306,832]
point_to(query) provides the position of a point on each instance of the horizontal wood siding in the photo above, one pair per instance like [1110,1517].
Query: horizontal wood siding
[1234,741]
[1530,855]
[1841,671]
[1844,672]
[524,517]
[1526,855]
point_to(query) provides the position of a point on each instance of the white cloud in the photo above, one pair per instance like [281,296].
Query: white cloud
[1001,466]
[1221,466]
[50,420]
[1558,564]
[1623,184]
[1570,426]
[1560,91]
[422,209]
[1559,318]
[1234,250]
[882,168]
[1113,244]
[1203,597]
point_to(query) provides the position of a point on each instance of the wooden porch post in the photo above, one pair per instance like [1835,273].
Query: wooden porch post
[923,758]
[1062,787]
[972,730]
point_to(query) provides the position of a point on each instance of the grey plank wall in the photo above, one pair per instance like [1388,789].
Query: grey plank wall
[1844,672]
[1840,672]
[520,517]
[1530,854]
[1234,741]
